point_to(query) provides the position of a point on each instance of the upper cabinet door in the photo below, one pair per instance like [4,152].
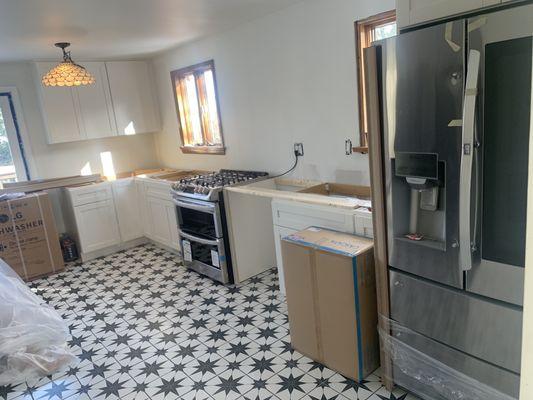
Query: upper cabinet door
[59,109]
[411,12]
[95,108]
[132,94]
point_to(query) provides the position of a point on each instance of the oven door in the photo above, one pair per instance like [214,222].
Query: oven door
[205,256]
[199,218]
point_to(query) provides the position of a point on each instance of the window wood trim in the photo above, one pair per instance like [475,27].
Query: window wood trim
[221,150]
[196,70]
[363,39]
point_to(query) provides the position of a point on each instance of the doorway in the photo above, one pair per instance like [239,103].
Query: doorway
[13,161]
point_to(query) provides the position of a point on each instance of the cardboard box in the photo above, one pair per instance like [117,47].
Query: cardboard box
[331,298]
[29,242]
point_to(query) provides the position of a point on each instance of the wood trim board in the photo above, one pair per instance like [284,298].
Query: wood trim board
[378,202]
[44,184]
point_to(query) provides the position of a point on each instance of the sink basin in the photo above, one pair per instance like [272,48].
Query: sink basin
[284,185]
[339,190]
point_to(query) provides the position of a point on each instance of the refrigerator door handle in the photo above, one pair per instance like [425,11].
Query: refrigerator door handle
[467,154]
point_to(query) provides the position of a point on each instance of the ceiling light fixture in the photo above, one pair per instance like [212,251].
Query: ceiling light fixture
[67,72]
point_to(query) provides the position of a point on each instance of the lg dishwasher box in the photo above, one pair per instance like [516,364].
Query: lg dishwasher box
[29,242]
[331,299]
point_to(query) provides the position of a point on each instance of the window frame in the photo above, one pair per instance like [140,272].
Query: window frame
[196,69]
[363,39]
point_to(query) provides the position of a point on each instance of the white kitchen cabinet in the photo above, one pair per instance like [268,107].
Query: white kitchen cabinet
[279,233]
[95,107]
[143,210]
[60,109]
[97,225]
[292,216]
[298,215]
[173,222]
[159,220]
[110,216]
[127,209]
[77,113]
[90,194]
[412,12]
[133,97]
[120,102]
[363,223]
[159,213]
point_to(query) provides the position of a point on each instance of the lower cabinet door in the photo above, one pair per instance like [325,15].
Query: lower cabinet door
[173,225]
[127,207]
[97,225]
[158,215]
[143,208]
[279,233]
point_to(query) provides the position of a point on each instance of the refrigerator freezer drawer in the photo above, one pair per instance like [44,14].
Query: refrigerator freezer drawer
[416,372]
[481,328]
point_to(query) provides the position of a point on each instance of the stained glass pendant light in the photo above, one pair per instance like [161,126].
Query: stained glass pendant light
[67,72]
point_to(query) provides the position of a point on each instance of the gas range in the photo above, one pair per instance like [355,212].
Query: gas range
[202,224]
[208,186]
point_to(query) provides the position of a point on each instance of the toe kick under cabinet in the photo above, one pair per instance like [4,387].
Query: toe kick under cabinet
[292,216]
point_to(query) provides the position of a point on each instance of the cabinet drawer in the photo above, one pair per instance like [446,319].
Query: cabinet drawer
[158,189]
[90,194]
[299,216]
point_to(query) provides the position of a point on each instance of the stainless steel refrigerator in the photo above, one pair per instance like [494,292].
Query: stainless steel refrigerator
[455,111]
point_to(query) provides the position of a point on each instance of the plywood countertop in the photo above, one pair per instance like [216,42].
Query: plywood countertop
[291,190]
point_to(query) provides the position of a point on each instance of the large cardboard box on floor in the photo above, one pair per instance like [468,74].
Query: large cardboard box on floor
[29,242]
[331,298]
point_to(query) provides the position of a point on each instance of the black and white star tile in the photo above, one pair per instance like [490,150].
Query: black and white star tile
[145,327]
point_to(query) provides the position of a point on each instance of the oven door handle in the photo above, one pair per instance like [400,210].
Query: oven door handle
[198,240]
[195,206]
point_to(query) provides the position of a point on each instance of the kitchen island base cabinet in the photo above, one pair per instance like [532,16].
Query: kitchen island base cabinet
[252,245]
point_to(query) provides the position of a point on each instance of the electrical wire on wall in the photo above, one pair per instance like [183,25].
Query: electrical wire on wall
[291,169]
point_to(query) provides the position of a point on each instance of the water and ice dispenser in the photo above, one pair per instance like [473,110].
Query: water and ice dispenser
[419,198]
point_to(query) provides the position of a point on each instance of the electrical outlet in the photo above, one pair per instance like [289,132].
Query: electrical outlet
[299,149]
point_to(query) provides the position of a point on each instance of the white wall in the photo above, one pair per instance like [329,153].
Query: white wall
[66,159]
[288,77]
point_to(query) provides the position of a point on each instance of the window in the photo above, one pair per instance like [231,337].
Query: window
[197,108]
[368,30]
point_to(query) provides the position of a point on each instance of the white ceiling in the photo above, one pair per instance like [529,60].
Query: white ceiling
[103,29]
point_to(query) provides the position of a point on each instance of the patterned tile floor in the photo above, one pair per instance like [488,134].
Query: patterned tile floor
[145,327]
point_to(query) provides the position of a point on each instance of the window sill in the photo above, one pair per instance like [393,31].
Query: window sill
[361,149]
[203,150]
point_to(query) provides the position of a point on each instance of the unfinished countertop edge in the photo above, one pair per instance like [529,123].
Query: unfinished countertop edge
[294,196]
